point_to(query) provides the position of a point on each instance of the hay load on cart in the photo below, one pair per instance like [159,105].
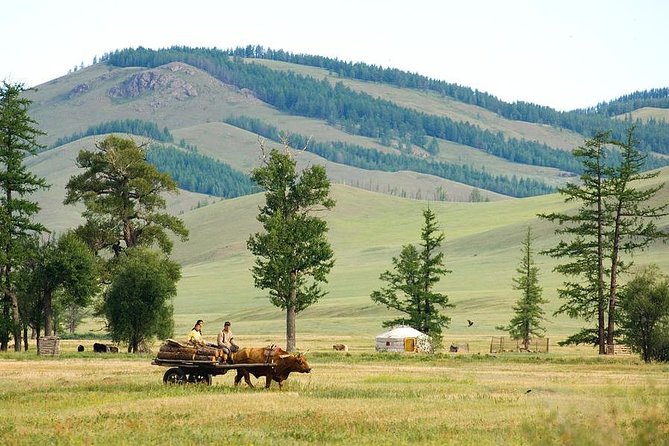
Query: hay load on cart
[173,350]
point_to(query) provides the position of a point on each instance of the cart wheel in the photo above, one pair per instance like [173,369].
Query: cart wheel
[174,376]
[199,378]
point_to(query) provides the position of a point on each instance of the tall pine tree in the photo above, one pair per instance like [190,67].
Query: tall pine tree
[18,139]
[584,247]
[616,216]
[529,314]
[410,287]
[632,216]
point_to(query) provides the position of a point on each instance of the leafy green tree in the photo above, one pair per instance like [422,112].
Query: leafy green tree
[293,255]
[123,196]
[644,311]
[410,287]
[18,139]
[529,314]
[584,248]
[138,303]
[632,217]
[63,268]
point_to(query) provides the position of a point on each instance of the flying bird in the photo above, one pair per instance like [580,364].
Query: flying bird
[470,323]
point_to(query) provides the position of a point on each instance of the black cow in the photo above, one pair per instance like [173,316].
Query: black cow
[104,348]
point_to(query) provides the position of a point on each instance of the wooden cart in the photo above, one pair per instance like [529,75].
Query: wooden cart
[184,371]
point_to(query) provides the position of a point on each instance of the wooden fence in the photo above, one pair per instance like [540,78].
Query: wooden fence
[48,346]
[506,344]
[618,349]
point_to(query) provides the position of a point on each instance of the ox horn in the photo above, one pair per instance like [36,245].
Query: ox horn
[284,356]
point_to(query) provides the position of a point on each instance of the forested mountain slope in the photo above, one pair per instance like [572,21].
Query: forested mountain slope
[380,129]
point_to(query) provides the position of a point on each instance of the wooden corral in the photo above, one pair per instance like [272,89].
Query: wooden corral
[506,344]
[48,346]
[618,349]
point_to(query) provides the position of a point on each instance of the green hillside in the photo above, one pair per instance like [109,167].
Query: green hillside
[647,114]
[390,115]
[482,249]
[58,165]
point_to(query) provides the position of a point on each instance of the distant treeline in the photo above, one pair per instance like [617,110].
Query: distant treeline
[365,158]
[199,173]
[131,126]
[656,97]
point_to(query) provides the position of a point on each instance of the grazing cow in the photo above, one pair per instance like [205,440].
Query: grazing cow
[340,347]
[80,348]
[284,364]
[104,348]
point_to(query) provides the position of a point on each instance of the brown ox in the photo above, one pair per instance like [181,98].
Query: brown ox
[340,347]
[284,364]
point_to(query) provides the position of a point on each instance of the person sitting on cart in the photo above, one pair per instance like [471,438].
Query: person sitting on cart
[195,335]
[226,341]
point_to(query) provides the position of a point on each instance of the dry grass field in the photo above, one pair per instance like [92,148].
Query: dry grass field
[357,398]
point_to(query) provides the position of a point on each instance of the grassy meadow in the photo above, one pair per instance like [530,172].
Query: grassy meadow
[356,398]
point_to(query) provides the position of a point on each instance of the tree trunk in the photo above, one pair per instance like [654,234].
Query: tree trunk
[17,327]
[600,275]
[10,297]
[16,315]
[4,329]
[48,313]
[613,290]
[290,329]
[25,338]
[290,316]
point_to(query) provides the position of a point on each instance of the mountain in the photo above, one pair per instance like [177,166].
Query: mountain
[392,143]
[370,128]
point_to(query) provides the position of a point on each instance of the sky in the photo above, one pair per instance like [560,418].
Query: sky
[565,54]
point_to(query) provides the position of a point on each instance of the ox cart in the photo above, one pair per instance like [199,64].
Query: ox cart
[184,371]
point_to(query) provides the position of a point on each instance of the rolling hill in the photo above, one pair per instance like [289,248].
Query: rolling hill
[482,248]
[379,206]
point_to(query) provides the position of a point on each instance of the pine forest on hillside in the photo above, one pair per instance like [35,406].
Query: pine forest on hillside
[399,127]
[390,136]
